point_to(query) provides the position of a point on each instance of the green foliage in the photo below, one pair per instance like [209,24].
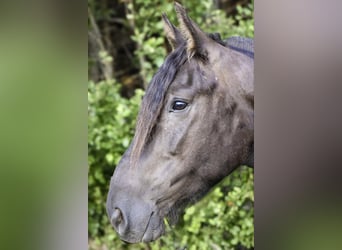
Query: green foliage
[221,219]
[147,27]
[224,218]
[245,20]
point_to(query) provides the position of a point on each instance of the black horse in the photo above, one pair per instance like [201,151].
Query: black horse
[195,126]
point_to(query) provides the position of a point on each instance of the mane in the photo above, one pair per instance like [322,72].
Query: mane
[153,100]
[241,44]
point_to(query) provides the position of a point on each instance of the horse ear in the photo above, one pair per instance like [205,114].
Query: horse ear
[196,38]
[173,35]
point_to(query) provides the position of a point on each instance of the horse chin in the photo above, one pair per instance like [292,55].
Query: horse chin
[173,216]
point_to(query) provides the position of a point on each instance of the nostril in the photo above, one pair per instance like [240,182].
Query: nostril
[116,218]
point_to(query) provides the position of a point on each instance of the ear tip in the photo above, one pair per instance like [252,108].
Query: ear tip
[166,19]
[179,7]
[177,3]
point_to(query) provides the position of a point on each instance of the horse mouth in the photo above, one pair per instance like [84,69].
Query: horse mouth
[154,228]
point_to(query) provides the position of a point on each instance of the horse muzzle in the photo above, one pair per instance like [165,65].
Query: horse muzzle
[135,220]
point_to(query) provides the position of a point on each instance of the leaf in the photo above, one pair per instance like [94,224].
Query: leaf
[109,158]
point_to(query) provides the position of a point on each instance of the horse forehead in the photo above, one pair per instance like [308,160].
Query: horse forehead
[189,75]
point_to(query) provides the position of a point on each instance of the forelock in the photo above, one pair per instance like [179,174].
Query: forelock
[153,100]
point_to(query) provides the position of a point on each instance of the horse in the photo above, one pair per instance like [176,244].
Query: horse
[195,126]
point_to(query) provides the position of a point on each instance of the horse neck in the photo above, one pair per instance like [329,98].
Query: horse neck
[238,84]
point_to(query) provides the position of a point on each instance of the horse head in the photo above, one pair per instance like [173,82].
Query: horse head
[195,126]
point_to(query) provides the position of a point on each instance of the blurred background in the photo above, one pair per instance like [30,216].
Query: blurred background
[126,45]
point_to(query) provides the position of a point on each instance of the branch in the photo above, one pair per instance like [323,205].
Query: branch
[107,65]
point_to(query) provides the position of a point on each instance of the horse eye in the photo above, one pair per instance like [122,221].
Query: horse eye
[179,105]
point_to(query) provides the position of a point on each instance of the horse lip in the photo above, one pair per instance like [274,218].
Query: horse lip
[150,234]
[145,238]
